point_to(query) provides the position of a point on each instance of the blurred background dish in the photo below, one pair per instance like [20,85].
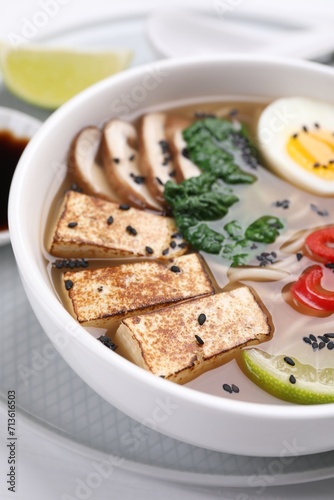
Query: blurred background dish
[242,30]
[16,128]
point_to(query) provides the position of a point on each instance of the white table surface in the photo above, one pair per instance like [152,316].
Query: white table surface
[47,469]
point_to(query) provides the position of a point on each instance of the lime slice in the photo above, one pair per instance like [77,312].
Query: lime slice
[48,77]
[301,383]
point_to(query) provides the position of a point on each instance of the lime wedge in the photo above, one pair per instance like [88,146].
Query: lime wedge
[301,383]
[48,77]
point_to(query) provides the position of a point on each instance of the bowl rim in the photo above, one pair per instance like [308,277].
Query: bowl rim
[58,311]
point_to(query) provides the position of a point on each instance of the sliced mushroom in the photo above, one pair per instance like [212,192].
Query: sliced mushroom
[121,162]
[84,167]
[184,167]
[155,155]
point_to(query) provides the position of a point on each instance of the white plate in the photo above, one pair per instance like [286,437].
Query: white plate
[55,402]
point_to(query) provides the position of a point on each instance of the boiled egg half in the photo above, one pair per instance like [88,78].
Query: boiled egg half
[296,138]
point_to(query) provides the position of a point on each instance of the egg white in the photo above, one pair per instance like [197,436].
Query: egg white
[278,122]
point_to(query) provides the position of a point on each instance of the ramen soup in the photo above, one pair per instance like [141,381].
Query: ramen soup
[249,186]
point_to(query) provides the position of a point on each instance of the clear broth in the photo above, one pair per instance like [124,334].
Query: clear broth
[258,199]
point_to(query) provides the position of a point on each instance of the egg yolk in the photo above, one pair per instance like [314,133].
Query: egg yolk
[314,151]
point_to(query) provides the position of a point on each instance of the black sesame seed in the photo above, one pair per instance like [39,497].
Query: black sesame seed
[322,213]
[322,345]
[201,319]
[185,153]
[75,187]
[199,340]
[165,252]
[305,128]
[292,379]
[315,345]
[284,204]
[100,289]
[68,284]
[235,388]
[110,220]
[233,112]
[123,206]
[323,338]
[329,335]
[77,262]
[317,125]
[227,388]
[159,181]
[330,265]
[72,264]
[165,161]
[172,173]
[295,136]
[116,160]
[313,337]
[131,230]
[84,263]
[330,345]
[182,245]
[149,250]
[107,342]
[132,157]
[316,165]
[139,179]
[172,244]
[331,162]
[307,340]
[58,264]
[164,146]
[176,235]
[175,269]
[289,361]
[66,263]
[72,224]
[299,256]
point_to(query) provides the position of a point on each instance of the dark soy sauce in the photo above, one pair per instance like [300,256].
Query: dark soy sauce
[11,148]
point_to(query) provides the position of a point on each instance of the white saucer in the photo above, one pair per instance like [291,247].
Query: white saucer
[21,125]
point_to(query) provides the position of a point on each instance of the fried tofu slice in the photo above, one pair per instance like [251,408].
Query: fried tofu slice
[99,295]
[164,342]
[91,227]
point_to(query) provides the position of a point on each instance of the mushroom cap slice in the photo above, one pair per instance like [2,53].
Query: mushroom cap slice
[121,163]
[155,158]
[83,165]
[184,167]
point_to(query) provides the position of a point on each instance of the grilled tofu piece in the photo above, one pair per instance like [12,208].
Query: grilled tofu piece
[121,163]
[99,295]
[91,227]
[164,342]
[155,159]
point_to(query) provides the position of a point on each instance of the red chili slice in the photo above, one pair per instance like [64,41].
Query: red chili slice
[307,290]
[317,243]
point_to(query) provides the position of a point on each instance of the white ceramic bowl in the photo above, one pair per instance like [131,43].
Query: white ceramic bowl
[195,417]
[21,125]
